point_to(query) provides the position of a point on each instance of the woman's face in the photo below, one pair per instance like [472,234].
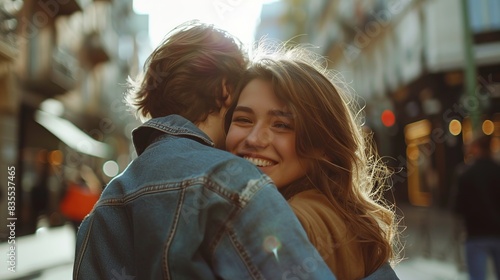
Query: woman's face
[262,131]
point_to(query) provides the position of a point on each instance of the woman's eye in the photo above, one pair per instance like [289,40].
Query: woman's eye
[241,120]
[283,125]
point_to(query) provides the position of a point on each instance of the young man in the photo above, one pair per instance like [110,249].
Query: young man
[184,209]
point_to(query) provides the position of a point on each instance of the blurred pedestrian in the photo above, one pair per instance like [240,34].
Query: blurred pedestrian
[184,209]
[80,195]
[477,203]
[40,193]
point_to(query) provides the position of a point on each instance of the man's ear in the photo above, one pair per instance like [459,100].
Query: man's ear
[226,96]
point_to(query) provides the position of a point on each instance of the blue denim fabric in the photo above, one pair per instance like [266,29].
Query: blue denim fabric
[185,210]
[385,272]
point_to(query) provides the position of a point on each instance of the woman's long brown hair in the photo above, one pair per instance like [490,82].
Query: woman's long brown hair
[342,161]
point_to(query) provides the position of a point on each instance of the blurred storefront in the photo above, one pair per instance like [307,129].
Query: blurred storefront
[407,61]
[62,115]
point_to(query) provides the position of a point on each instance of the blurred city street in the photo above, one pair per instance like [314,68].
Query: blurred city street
[432,250]
[427,86]
[432,245]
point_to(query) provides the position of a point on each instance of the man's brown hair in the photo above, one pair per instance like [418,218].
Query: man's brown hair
[185,74]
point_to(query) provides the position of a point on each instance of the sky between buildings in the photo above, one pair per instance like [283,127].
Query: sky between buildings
[239,17]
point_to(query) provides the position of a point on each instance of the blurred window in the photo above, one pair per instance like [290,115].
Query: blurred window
[484,15]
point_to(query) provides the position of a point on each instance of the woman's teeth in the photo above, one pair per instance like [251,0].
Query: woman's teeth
[259,162]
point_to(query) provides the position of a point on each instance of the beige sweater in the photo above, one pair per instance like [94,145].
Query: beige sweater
[328,233]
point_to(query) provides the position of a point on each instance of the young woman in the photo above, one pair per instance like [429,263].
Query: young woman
[291,120]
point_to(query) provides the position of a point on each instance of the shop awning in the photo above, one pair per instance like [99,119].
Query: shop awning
[72,136]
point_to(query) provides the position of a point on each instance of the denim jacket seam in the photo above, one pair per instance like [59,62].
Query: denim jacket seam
[239,198]
[151,189]
[240,206]
[228,229]
[178,131]
[80,256]
[252,269]
[222,191]
[173,231]
[246,196]
[173,186]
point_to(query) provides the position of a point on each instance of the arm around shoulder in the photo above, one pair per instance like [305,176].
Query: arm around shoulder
[266,240]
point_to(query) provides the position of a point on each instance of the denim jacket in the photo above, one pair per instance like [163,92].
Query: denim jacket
[185,210]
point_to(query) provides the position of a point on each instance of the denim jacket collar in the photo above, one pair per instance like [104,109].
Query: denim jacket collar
[176,125]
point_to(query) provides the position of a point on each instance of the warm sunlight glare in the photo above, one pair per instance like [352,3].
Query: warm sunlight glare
[239,17]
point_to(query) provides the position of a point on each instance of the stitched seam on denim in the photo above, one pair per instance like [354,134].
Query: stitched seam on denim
[254,272]
[250,191]
[178,132]
[241,198]
[79,258]
[166,271]
[239,207]
[222,191]
[165,187]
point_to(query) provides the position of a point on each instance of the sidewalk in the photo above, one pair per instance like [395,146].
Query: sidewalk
[433,246]
[420,268]
[46,255]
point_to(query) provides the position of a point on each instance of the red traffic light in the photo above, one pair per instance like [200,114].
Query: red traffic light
[388,118]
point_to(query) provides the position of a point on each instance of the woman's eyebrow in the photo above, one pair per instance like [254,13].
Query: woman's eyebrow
[274,112]
[243,109]
[280,113]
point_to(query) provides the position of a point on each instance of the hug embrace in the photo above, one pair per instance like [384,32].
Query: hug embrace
[247,168]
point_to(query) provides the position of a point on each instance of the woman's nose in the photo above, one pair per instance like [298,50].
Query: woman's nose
[259,137]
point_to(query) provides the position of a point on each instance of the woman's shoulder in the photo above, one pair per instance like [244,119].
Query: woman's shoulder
[310,200]
[314,210]
[329,233]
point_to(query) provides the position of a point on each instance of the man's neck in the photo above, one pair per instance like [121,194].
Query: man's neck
[213,127]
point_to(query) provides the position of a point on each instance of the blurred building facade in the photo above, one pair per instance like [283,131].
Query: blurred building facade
[63,67]
[407,59]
